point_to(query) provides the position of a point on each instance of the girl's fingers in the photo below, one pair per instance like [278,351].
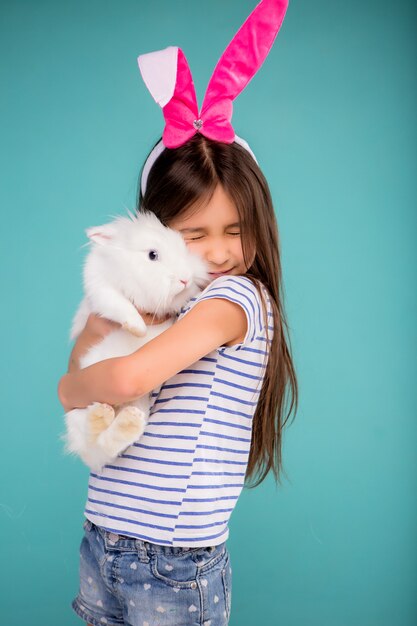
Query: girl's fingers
[100,325]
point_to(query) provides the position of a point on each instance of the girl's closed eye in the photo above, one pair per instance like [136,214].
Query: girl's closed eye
[201,236]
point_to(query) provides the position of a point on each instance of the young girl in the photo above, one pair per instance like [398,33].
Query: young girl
[154,550]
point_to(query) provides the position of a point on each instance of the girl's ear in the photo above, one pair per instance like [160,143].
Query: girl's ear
[101,234]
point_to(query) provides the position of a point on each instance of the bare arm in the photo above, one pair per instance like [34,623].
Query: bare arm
[209,324]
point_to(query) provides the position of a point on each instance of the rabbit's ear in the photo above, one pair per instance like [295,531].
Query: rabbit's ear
[102,235]
[245,53]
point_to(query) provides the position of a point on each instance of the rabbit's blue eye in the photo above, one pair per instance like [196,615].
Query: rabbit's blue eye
[153,255]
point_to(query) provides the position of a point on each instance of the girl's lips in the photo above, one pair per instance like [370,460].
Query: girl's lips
[220,273]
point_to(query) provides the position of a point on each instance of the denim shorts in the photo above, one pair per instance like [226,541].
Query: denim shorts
[130,582]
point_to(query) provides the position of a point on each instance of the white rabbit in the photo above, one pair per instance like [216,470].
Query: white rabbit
[134,261]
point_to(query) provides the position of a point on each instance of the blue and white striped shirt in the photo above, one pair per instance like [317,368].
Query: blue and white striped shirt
[179,484]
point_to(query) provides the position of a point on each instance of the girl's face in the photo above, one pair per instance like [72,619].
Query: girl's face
[214,233]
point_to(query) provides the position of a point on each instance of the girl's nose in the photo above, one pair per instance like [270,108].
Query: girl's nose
[218,255]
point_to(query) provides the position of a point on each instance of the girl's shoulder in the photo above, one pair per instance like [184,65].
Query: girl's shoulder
[238,287]
[241,285]
[243,291]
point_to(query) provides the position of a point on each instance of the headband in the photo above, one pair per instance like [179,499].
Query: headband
[167,76]
[159,148]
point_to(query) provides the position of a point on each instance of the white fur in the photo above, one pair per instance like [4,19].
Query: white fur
[118,277]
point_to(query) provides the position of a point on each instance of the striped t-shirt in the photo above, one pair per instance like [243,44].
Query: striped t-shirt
[179,483]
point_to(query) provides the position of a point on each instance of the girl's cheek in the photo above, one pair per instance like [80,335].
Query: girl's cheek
[195,245]
[195,248]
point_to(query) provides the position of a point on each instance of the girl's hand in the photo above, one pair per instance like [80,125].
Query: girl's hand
[96,328]
[94,331]
[150,319]
[99,326]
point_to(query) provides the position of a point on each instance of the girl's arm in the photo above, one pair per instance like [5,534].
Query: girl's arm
[209,324]
[95,330]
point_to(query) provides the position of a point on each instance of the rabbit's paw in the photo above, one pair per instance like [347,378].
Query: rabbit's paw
[135,325]
[131,422]
[100,417]
[126,428]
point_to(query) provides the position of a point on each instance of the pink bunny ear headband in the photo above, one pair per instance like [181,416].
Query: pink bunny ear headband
[168,77]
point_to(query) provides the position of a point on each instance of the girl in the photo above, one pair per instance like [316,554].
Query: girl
[154,550]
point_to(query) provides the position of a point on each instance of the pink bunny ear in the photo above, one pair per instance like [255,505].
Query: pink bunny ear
[168,77]
[246,52]
[241,60]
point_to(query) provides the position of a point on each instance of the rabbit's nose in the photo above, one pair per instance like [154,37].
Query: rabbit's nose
[184,282]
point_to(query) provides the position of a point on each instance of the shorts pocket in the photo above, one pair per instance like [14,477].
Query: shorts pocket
[175,570]
[208,558]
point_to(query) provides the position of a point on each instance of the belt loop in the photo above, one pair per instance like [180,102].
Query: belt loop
[142,551]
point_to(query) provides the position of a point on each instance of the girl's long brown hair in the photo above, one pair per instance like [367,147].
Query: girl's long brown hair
[187,176]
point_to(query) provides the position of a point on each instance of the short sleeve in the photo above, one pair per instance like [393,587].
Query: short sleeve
[242,291]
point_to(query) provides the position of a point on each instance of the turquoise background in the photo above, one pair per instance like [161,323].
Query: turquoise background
[331,118]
